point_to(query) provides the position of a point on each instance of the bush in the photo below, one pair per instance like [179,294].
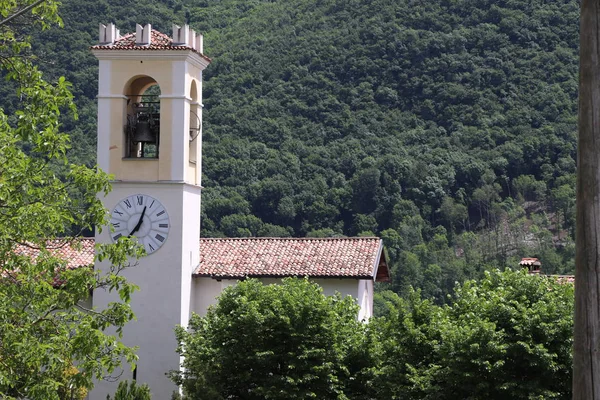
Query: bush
[506,337]
[131,391]
[285,341]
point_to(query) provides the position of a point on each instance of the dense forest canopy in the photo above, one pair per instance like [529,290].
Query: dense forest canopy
[447,127]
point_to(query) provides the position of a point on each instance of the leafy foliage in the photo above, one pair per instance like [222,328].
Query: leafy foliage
[45,325]
[396,118]
[508,336]
[131,391]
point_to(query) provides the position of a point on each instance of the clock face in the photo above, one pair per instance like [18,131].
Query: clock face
[141,216]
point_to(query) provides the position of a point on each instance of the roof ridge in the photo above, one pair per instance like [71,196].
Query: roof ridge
[292,238]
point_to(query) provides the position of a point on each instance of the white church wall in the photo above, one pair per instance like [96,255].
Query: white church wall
[206,290]
[164,278]
[346,287]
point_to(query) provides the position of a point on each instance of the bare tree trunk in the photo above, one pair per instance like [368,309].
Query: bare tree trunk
[586,352]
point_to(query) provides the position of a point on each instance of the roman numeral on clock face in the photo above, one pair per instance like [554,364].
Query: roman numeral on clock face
[142,218]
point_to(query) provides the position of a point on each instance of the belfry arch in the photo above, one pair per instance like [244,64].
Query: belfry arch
[142,129]
[195,122]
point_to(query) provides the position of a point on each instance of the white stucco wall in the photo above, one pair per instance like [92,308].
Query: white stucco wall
[164,278]
[206,290]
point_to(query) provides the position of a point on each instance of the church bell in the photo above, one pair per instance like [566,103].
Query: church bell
[144,132]
[144,124]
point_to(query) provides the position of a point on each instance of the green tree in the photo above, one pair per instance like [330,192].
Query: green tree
[453,214]
[527,188]
[239,225]
[506,337]
[44,325]
[131,391]
[284,341]
[563,198]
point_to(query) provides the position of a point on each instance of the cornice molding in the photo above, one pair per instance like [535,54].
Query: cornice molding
[188,55]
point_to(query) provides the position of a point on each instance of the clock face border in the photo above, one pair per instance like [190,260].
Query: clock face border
[142,216]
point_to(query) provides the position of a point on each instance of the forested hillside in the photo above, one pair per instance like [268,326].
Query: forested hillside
[447,127]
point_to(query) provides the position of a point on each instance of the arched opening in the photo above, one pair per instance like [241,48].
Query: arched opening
[142,131]
[195,123]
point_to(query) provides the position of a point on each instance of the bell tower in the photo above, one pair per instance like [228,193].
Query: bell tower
[150,140]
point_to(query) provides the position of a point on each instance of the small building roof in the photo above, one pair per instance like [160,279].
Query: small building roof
[77,252]
[355,257]
[564,278]
[233,258]
[530,261]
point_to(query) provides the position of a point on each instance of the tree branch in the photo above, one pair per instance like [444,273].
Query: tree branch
[21,12]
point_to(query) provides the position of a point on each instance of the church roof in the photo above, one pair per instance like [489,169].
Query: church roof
[358,257]
[76,252]
[231,258]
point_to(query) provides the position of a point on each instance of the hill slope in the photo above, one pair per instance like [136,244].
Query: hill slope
[395,117]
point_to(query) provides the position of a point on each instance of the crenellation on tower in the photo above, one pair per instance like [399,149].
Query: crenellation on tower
[181,35]
[186,36]
[142,35]
[108,34]
[199,44]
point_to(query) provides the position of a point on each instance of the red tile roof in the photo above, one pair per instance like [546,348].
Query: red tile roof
[564,278]
[361,257]
[78,252]
[158,41]
[530,261]
[277,257]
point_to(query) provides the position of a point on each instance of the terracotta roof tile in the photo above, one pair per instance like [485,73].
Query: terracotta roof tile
[530,261]
[158,41]
[564,278]
[79,252]
[275,257]
[261,257]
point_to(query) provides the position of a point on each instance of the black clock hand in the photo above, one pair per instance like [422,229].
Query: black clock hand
[137,227]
